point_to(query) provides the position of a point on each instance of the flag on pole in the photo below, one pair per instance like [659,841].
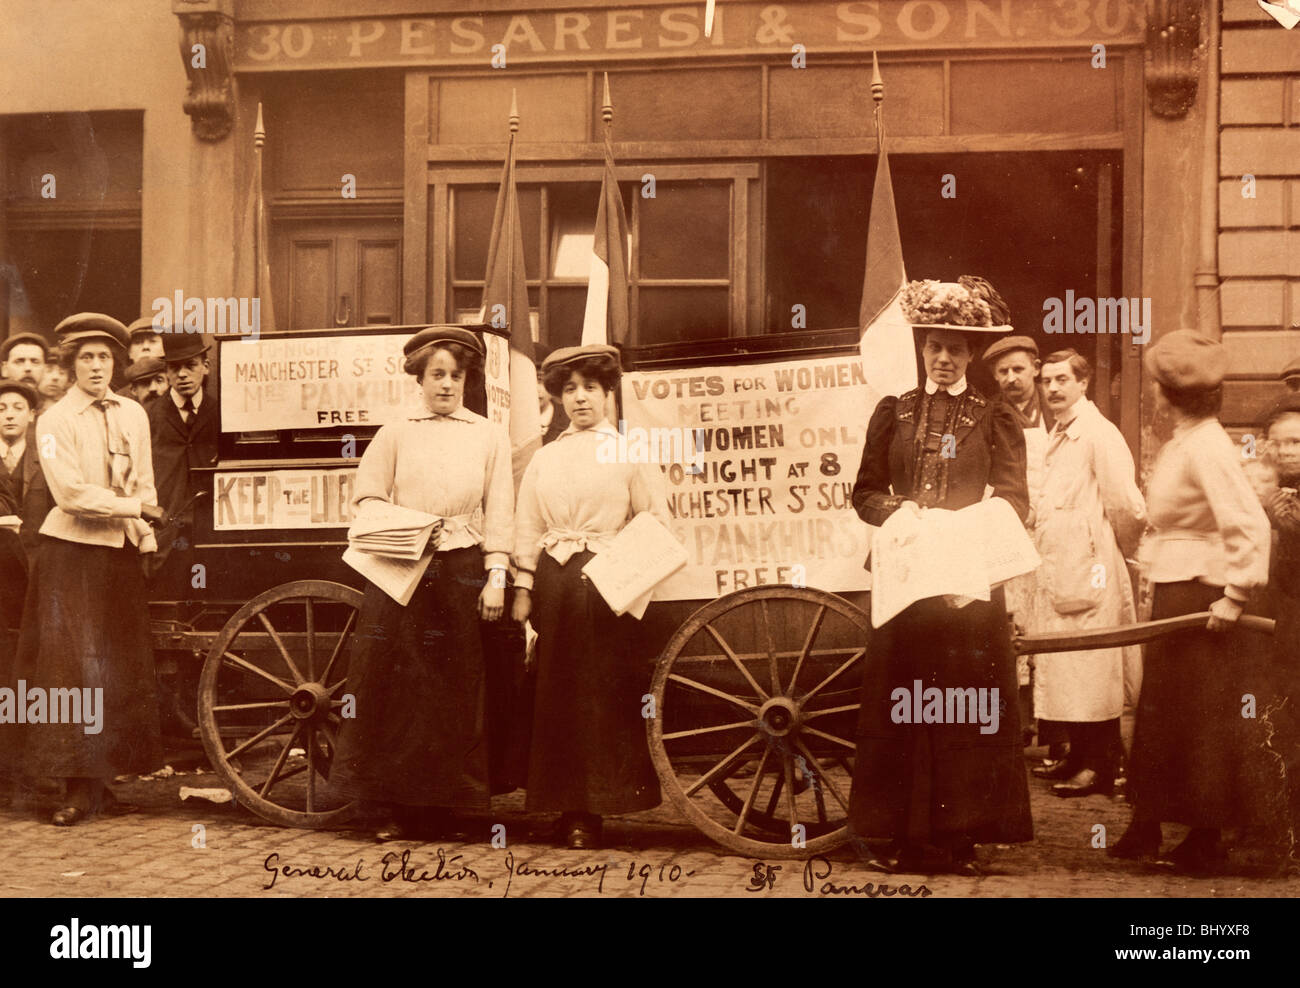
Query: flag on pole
[606,318]
[254,274]
[505,306]
[887,346]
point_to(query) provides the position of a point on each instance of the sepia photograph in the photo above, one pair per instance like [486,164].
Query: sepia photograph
[650,449]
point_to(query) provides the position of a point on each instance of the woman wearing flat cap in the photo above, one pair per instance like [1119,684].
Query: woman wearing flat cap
[417,748]
[589,757]
[1196,759]
[86,620]
[935,790]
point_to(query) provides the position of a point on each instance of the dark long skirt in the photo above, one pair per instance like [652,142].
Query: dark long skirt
[940,783]
[589,751]
[86,626]
[417,672]
[1197,759]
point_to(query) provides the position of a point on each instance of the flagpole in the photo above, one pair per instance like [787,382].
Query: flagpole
[259,138]
[510,213]
[878,94]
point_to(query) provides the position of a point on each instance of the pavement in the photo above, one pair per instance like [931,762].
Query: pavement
[196,848]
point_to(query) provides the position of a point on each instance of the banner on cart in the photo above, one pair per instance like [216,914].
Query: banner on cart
[282,499]
[760,462]
[315,382]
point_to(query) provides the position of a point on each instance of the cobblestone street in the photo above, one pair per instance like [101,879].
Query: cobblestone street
[152,854]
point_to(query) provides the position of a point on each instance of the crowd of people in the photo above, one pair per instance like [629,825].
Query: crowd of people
[1199,721]
[1201,717]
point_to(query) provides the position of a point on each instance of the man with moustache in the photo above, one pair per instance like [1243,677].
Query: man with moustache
[1090,518]
[22,359]
[146,380]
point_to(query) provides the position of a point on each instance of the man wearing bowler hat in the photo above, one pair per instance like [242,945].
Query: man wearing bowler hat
[185,429]
[85,625]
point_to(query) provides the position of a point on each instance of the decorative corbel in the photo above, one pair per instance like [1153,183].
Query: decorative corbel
[1173,38]
[207,49]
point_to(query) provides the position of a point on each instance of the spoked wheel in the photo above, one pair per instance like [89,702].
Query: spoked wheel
[271,700]
[756,698]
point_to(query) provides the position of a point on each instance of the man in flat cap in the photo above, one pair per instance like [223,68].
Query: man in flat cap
[185,428]
[145,339]
[20,464]
[85,624]
[22,359]
[146,380]
[1014,364]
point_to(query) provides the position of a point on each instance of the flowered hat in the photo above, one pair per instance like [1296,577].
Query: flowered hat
[970,304]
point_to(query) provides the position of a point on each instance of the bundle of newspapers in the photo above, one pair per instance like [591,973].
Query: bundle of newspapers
[386,545]
[957,555]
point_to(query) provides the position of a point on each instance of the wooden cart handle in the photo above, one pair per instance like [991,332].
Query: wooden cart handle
[1128,634]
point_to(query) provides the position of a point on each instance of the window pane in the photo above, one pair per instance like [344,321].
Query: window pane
[473,208]
[565,309]
[686,231]
[671,315]
[572,209]
[468,301]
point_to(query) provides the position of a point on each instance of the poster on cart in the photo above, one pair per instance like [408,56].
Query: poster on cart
[760,462]
[315,382]
[246,500]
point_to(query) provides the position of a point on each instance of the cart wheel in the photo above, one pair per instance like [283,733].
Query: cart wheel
[752,740]
[270,700]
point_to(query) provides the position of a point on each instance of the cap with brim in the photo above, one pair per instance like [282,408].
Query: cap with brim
[1285,405]
[432,335]
[179,347]
[571,354]
[1186,360]
[141,327]
[1007,344]
[145,367]
[92,325]
[19,339]
[17,387]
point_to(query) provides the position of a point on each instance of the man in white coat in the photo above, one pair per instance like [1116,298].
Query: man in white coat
[1090,516]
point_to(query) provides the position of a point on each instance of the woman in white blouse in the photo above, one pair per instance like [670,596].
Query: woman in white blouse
[589,756]
[417,747]
[1199,758]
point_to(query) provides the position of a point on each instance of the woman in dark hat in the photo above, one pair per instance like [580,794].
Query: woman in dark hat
[935,790]
[1196,759]
[417,746]
[589,756]
[86,620]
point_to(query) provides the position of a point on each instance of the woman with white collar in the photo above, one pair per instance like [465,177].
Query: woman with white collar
[589,756]
[417,748]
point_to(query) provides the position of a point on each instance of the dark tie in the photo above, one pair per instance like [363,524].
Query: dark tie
[187,410]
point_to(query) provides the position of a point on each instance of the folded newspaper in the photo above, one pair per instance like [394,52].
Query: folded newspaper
[386,545]
[391,530]
[960,555]
[639,558]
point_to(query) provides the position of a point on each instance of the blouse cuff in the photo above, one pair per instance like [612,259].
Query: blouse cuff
[1236,593]
[130,506]
[498,559]
[524,579]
